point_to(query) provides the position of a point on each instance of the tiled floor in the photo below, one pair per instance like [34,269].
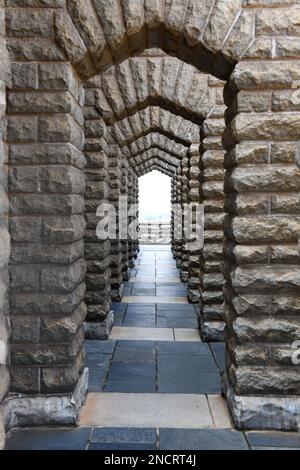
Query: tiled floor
[154,384]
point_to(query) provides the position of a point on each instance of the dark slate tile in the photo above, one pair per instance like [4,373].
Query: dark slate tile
[143,292]
[132,353]
[124,435]
[120,446]
[103,347]
[144,285]
[119,307]
[127,371]
[184,347]
[219,354]
[273,439]
[127,290]
[187,374]
[136,343]
[208,384]
[201,439]
[97,377]
[177,320]
[175,308]
[145,386]
[140,321]
[49,439]
[148,309]
[95,360]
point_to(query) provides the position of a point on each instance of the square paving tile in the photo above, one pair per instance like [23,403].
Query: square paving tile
[131,377]
[185,348]
[145,386]
[49,439]
[273,439]
[219,354]
[139,320]
[146,410]
[119,446]
[148,309]
[187,374]
[99,347]
[134,353]
[174,319]
[201,439]
[173,307]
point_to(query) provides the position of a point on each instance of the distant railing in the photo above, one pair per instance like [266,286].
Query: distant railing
[154,233]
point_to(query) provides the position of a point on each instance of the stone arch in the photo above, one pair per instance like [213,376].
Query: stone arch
[94,35]
[262,120]
[140,82]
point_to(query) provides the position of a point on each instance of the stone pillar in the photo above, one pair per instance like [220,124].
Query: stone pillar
[184,261]
[97,250]
[47,268]
[115,176]
[212,277]
[173,202]
[136,202]
[124,241]
[130,217]
[194,197]
[178,220]
[4,234]
[262,183]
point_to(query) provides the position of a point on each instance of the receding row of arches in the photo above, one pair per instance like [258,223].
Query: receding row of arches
[99,93]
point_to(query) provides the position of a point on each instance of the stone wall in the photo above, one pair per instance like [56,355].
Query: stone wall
[4,233]
[97,251]
[54,48]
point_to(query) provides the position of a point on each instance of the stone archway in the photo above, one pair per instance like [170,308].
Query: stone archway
[261,189]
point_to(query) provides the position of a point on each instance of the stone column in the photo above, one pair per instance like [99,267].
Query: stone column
[124,242]
[136,201]
[262,229]
[4,234]
[173,202]
[178,220]
[194,196]
[130,217]
[115,175]
[184,261]
[97,250]
[212,277]
[47,268]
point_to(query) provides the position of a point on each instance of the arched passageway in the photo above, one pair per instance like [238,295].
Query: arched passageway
[78,135]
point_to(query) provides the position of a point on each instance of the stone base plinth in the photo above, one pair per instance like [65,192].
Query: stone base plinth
[263,412]
[101,330]
[61,410]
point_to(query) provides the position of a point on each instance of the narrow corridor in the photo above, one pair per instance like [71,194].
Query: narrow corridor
[153,384]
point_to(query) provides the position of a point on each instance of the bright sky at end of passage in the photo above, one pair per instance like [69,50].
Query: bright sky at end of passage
[154,197]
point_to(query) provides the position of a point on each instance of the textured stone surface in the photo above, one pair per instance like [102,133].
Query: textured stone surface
[89,110]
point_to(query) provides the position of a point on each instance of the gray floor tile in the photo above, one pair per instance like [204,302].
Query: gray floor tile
[184,347]
[125,372]
[177,320]
[187,374]
[139,321]
[219,354]
[121,446]
[175,308]
[140,386]
[274,439]
[101,347]
[124,435]
[132,353]
[49,439]
[206,439]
